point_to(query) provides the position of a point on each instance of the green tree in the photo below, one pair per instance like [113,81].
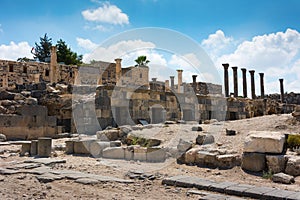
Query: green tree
[42,50]
[66,55]
[142,61]
[24,59]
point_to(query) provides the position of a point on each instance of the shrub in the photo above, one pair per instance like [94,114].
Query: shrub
[293,141]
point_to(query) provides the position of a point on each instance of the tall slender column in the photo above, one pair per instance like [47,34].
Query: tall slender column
[244,70]
[262,86]
[226,85]
[167,87]
[281,90]
[118,69]
[53,65]
[252,83]
[179,74]
[172,82]
[235,81]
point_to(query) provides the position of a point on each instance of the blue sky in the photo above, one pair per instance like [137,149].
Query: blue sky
[256,34]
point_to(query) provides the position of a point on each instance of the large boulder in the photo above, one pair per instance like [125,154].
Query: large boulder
[136,139]
[114,153]
[293,166]
[254,162]
[264,142]
[276,163]
[5,95]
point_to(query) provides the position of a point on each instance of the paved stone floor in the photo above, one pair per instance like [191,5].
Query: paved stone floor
[229,188]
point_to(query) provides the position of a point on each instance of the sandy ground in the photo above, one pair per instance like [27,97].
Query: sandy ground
[26,186]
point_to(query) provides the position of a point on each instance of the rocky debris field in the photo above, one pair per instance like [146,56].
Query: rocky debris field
[68,176]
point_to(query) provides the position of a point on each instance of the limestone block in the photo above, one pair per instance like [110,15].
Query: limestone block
[190,156]
[264,142]
[276,163]
[25,148]
[128,153]
[283,178]
[82,146]
[183,145]
[254,162]
[293,166]
[69,147]
[228,160]
[206,159]
[44,146]
[34,147]
[108,135]
[205,139]
[156,154]
[140,153]
[97,147]
[114,153]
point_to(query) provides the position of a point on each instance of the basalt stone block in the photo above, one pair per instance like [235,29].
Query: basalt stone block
[254,162]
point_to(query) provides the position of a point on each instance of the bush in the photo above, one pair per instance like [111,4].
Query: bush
[267,175]
[293,141]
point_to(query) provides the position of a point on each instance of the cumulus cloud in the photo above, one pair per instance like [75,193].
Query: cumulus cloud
[117,50]
[86,44]
[106,13]
[275,54]
[14,51]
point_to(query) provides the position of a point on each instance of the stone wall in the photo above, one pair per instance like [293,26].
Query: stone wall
[32,122]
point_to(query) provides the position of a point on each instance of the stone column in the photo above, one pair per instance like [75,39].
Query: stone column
[262,86]
[76,77]
[252,83]
[5,81]
[226,85]
[194,85]
[53,65]
[167,85]
[179,72]
[118,69]
[33,147]
[281,90]
[235,81]
[172,82]
[154,84]
[44,146]
[244,70]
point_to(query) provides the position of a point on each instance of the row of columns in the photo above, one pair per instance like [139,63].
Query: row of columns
[244,76]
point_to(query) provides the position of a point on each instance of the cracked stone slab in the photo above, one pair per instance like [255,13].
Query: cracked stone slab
[38,170]
[279,194]
[24,166]
[221,186]
[48,177]
[87,181]
[171,180]
[46,161]
[238,189]
[210,196]
[258,192]
[5,171]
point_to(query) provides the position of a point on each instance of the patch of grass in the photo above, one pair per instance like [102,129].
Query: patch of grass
[268,174]
[293,141]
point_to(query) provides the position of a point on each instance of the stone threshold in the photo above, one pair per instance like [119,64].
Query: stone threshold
[231,188]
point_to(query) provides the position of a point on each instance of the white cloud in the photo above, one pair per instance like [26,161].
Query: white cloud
[106,13]
[217,43]
[275,54]
[118,50]
[266,51]
[86,44]
[187,61]
[14,51]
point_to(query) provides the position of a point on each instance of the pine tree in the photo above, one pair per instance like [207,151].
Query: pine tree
[42,50]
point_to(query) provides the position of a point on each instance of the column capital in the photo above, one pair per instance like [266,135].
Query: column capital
[225,65]
[179,70]
[243,69]
[251,71]
[234,68]
[281,79]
